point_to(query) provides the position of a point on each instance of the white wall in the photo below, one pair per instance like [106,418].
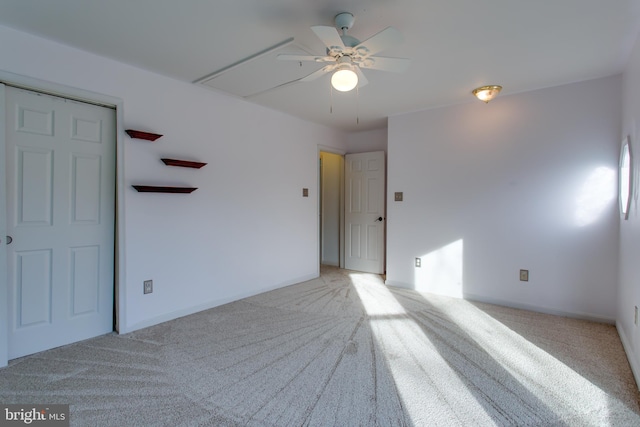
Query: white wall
[246,229]
[366,141]
[525,182]
[629,285]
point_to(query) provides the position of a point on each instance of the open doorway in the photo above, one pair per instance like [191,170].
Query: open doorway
[331,208]
[351,217]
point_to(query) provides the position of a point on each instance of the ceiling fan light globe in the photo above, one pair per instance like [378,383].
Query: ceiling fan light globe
[344,80]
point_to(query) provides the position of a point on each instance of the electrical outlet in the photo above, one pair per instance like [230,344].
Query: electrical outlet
[305,192]
[524,275]
[398,196]
[418,262]
[635,316]
[148,286]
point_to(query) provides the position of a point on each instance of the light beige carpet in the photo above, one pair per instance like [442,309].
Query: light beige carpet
[340,350]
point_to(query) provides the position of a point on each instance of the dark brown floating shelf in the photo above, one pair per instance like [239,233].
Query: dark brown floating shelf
[138,134]
[155,189]
[183,163]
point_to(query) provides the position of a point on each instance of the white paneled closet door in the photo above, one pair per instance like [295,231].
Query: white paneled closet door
[60,164]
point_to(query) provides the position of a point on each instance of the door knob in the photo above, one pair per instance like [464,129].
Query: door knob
[379,219]
[9,240]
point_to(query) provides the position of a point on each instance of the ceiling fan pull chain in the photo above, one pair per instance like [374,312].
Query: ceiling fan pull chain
[331,98]
[357,105]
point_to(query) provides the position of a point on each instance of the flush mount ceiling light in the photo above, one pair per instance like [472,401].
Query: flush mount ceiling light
[487,93]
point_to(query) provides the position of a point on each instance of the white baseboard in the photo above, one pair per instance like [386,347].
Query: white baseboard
[529,307]
[332,264]
[540,309]
[398,284]
[125,329]
[631,355]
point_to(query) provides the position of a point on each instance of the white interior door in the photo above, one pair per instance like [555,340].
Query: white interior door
[365,212]
[60,164]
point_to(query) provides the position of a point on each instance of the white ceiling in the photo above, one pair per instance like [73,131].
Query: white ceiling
[455,46]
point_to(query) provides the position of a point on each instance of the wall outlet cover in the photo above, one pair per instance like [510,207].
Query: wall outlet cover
[148,286]
[398,196]
[524,275]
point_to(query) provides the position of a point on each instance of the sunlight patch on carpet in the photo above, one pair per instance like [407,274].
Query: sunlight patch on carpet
[451,360]
[401,339]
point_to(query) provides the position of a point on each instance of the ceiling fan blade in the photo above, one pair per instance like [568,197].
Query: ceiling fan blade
[362,80]
[287,57]
[380,41]
[396,65]
[317,74]
[329,36]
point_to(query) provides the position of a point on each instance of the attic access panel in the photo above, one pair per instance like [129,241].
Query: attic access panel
[261,74]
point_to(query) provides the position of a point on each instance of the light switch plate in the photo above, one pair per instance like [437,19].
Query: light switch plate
[398,196]
[148,286]
[305,192]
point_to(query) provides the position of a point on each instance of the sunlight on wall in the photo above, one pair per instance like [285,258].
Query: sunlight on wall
[596,193]
[441,271]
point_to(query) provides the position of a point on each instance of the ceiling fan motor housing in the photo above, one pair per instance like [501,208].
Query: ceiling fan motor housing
[345,62]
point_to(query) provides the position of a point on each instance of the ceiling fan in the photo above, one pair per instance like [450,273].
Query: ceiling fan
[346,55]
